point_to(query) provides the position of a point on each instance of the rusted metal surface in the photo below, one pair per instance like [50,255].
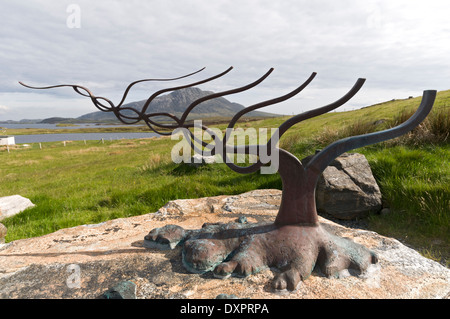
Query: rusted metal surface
[295,242]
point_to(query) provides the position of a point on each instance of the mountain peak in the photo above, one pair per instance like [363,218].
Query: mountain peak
[177,102]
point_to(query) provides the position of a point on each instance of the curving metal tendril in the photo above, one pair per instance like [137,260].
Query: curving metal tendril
[319,162]
[298,178]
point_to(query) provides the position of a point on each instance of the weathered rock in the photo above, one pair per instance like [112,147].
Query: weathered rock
[3,232]
[242,220]
[347,188]
[225,296]
[123,290]
[13,205]
[112,252]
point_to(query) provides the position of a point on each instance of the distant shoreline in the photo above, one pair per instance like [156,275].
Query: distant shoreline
[44,138]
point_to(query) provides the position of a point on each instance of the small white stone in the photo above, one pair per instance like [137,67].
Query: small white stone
[13,205]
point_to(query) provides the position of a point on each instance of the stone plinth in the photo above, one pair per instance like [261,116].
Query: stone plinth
[86,261]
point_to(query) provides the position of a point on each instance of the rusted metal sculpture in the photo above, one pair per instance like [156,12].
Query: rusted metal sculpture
[295,242]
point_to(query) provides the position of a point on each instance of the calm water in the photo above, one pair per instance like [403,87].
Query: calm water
[53,126]
[38,138]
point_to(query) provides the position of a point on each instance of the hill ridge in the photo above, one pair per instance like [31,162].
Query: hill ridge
[176,103]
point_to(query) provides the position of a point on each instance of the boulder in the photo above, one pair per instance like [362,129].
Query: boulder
[347,188]
[13,205]
[123,290]
[100,256]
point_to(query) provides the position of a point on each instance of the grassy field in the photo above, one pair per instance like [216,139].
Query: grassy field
[82,184]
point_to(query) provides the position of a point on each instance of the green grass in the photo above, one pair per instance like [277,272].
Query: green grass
[83,184]
[415,183]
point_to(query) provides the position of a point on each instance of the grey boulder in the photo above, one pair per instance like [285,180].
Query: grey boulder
[347,188]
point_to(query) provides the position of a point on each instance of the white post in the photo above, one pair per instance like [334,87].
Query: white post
[40,146]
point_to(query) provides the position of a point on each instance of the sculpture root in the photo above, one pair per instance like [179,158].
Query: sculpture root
[245,249]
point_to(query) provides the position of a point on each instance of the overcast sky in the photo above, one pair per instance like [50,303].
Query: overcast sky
[400,47]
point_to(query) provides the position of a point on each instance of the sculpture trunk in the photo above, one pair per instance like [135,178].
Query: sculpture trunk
[298,203]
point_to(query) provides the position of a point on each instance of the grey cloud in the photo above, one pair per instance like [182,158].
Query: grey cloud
[399,46]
